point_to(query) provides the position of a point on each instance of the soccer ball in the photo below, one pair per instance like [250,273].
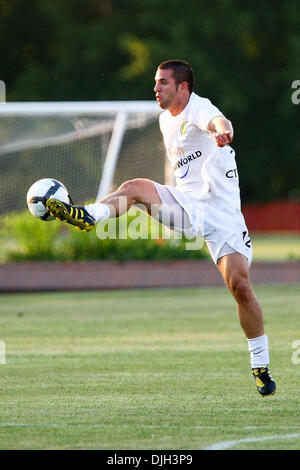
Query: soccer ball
[42,190]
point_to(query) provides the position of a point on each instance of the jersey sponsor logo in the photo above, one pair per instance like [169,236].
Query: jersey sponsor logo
[232,173]
[188,159]
[183,176]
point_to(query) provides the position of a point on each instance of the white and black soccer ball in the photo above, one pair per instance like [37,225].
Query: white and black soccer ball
[42,190]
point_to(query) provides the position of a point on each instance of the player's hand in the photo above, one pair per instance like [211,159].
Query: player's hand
[222,138]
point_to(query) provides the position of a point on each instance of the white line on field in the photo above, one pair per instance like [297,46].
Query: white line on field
[229,444]
[217,446]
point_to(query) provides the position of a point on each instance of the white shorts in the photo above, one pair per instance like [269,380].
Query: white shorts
[223,228]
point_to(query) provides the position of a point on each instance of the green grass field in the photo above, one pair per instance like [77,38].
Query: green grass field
[146,369]
[276,247]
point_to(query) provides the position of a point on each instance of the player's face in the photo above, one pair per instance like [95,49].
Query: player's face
[165,88]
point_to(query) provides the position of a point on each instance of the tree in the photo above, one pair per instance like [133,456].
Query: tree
[245,58]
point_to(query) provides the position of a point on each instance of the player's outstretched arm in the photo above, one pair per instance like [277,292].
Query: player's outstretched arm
[221,129]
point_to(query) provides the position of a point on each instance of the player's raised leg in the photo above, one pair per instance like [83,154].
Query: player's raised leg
[235,271]
[136,191]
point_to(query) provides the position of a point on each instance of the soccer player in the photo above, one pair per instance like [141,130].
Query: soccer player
[205,201]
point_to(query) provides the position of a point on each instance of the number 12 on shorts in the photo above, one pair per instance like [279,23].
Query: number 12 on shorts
[246,239]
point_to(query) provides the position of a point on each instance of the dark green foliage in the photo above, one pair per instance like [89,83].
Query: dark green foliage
[245,56]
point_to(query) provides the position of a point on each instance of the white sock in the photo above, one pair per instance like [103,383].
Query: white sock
[259,351]
[98,211]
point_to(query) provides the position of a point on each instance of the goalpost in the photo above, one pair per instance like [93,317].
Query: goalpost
[91,147]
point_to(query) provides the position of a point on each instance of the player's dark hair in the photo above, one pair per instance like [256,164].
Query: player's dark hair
[182,72]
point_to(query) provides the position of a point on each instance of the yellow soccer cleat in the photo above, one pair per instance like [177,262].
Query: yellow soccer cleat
[264,382]
[74,215]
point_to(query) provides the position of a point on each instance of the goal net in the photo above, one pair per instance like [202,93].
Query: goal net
[91,147]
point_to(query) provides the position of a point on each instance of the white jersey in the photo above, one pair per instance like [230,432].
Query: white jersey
[202,168]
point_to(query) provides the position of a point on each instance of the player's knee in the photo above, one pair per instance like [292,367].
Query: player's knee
[129,188]
[132,188]
[241,289]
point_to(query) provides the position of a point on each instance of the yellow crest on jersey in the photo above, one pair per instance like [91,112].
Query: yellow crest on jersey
[183,128]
